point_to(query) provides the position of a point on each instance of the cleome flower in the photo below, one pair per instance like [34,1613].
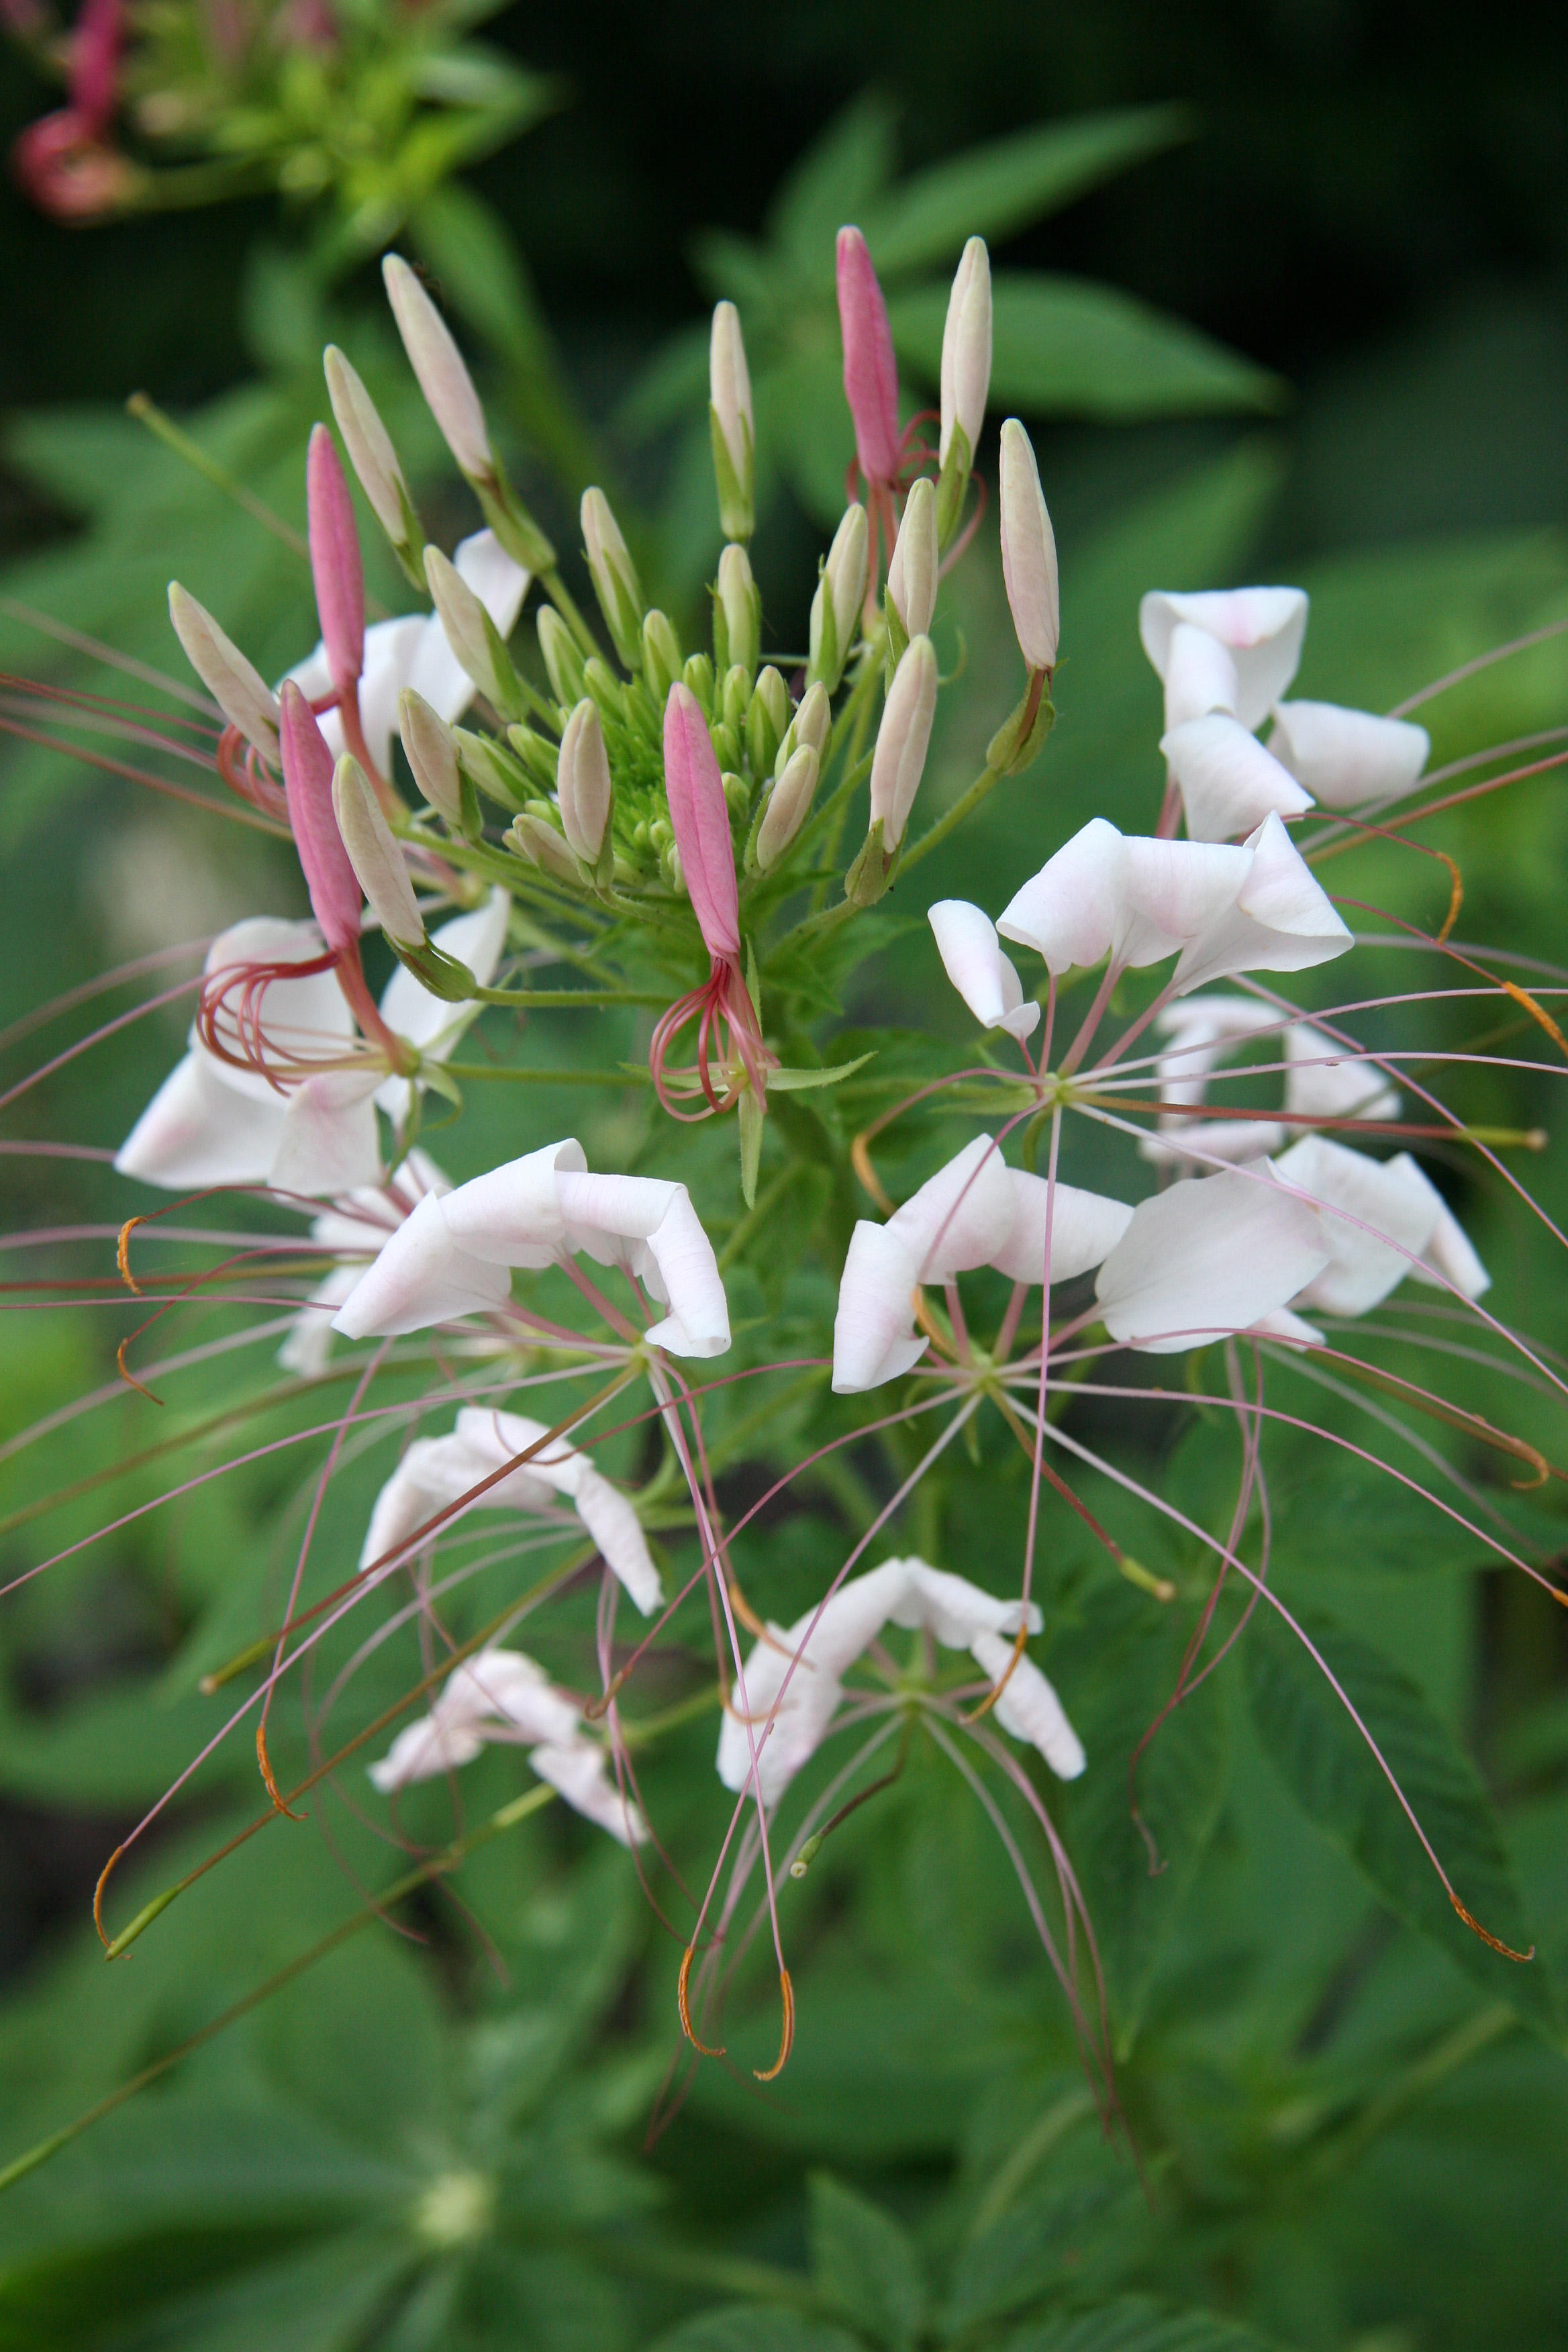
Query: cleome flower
[1322,1081]
[504,1695]
[784,1700]
[454,1255]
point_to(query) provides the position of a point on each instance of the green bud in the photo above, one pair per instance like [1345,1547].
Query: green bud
[534,838]
[737,613]
[600,680]
[615,577]
[726,744]
[698,674]
[734,699]
[767,717]
[661,655]
[563,658]
[490,770]
[539,756]
[836,607]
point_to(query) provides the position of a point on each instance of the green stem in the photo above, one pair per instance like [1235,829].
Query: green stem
[164,428]
[965,805]
[622,1077]
[541,998]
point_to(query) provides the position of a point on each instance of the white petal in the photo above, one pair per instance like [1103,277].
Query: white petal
[1174,891]
[1068,911]
[1348,759]
[1200,676]
[429,1022]
[953,1610]
[814,1652]
[1028,1707]
[306,1019]
[1391,1214]
[874,1338]
[580,1773]
[507,1686]
[421,1277]
[1278,920]
[1228,781]
[1448,1257]
[423,1750]
[961,1216]
[308,1345]
[1279,1323]
[652,1229]
[1195,1144]
[390,647]
[972,956]
[607,1513]
[1262,628]
[613,1523]
[329,1141]
[1325,1080]
[432,1474]
[1206,1258]
[513,1215]
[1084,1227]
[197,1131]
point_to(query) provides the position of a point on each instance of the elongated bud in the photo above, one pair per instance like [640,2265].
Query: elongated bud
[543,847]
[735,700]
[836,607]
[375,855]
[870,371]
[375,463]
[700,815]
[697,671]
[767,717]
[444,378]
[788,806]
[615,577]
[486,766]
[239,688]
[737,613]
[732,424]
[562,657]
[810,724]
[966,379]
[911,575]
[308,786]
[335,565]
[583,784]
[899,761]
[661,655]
[1029,552]
[472,635]
[431,750]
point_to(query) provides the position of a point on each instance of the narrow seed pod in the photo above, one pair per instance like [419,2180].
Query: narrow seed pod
[239,688]
[374,854]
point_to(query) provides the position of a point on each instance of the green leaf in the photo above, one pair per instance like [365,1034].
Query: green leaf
[1115,1671]
[482,274]
[1133,2324]
[1067,347]
[1328,1768]
[990,190]
[1038,2247]
[747,2327]
[864,2262]
[833,183]
[802,1081]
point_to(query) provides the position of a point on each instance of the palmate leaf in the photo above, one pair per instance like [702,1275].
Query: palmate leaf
[1133,2324]
[1067,347]
[990,190]
[835,182]
[1333,1776]
[867,2263]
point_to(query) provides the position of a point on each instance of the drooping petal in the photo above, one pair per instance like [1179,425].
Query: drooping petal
[513,1214]
[580,1774]
[651,1228]
[1068,911]
[609,1515]
[1028,1708]
[421,1277]
[422,1751]
[961,1216]
[1262,628]
[197,1131]
[874,1338]
[1228,783]
[1200,676]
[508,1686]
[1389,1213]
[973,958]
[329,1141]
[954,1609]
[1348,759]
[814,1653]
[1207,1257]
[1085,1228]
[1278,920]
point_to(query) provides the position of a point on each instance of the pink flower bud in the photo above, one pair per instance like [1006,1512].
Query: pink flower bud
[582,786]
[900,757]
[1029,552]
[335,564]
[700,818]
[95,65]
[966,350]
[870,371]
[308,786]
[443,378]
[911,575]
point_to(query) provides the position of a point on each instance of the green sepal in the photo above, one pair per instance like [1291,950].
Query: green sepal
[951,484]
[409,548]
[512,524]
[442,974]
[872,871]
[1018,742]
[737,510]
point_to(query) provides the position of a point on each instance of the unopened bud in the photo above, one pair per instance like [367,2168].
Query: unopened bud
[543,847]
[732,424]
[615,577]
[735,700]
[583,784]
[697,673]
[870,371]
[431,750]
[374,854]
[600,680]
[1029,552]
[810,724]
[737,613]
[911,574]
[899,761]
[473,636]
[788,805]
[444,378]
[336,570]
[487,768]
[965,378]
[836,607]
[563,658]
[768,716]
[374,461]
[240,691]
[661,655]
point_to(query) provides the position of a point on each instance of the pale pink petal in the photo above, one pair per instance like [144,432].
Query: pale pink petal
[1262,628]
[1207,1257]
[701,818]
[954,1609]
[421,1277]
[329,1141]
[1228,781]
[973,958]
[196,1131]
[510,1687]
[1068,912]
[1280,919]
[1200,676]
[1349,759]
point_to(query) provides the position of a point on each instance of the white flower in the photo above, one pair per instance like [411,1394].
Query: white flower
[1260,628]
[452,1255]
[975,1211]
[354,1228]
[1322,1081]
[437,1471]
[1222,907]
[504,1695]
[1348,759]
[1228,783]
[412,651]
[1206,1258]
[822,1645]
[1398,1214]
[214,1121]
[973,958]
